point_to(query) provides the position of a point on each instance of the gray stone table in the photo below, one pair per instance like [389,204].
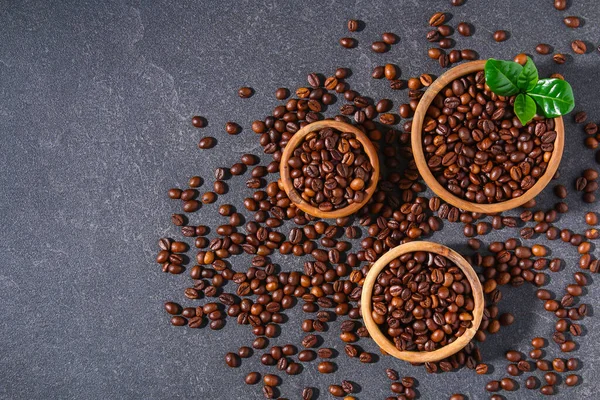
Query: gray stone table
[95,107]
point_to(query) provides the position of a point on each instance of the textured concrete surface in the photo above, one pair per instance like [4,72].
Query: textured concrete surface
[95,102]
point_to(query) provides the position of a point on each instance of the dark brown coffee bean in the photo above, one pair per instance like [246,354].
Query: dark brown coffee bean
[307,393]
[464,29]
[348,42]
[572,22]
[379,47]
[207,142]
[543,48]
[245,92]
[500,36]
[326,367]
[559,58]
[198,122]
[389,38]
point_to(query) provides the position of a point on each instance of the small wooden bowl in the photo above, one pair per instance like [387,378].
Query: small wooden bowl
[431,181]
[421,356]
[296,140]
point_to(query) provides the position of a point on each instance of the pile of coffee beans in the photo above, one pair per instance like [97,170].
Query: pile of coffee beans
[477,148]
[224,287]
[422,301]
[330,169]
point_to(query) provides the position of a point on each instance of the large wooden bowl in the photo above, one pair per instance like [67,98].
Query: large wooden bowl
[297,139]
[431,181]
[421,356]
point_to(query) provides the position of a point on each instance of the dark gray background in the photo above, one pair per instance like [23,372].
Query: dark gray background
[95,107]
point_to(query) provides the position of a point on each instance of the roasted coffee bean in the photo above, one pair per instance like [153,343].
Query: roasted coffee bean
[245,92]
[348,42]
[481,369]
[336,390]
[207,142]
[379,47]
[392,374]
[389,38]
[559,58]
[353,25]
[252,378]
[572,22]
[198,122]
[437,19]
[464,29]
[500,36]
[326,367]
[232,360]
[307,393]
[543,48]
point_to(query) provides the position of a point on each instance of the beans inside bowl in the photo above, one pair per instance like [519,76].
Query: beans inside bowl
[330,169]
[478,149]
[422,301]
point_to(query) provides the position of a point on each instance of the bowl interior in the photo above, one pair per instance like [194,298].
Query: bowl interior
[421,356]
[431,181]
[296,140]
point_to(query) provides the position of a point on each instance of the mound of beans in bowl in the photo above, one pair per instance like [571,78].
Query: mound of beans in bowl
[330,169]
[422,301]
[478,149]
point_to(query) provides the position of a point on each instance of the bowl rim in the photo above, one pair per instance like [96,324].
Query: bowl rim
[419,156]
[421,356]
[294,142]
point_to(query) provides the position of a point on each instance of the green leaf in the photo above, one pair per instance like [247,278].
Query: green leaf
[528,78]
[501,76]
[554,96]
[524,108]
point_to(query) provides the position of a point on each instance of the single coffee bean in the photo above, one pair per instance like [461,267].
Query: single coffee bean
[348,42]
[543,49]
[572,22]
[464,29]
[245,92]
[173,308]
[481,369]
[572,380]
[271,380]
[326,367]
[353,25]
[198,122]
[307,393]
[207,142]
[579,47]
[531,382]
[538,342]
[379,47]
[437,19]
[389,38]
[500,36]
[252,378]
[232,360]
[559,58]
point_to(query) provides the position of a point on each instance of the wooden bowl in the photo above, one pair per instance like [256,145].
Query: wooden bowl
[296,140]
[431,181]
[421,356]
